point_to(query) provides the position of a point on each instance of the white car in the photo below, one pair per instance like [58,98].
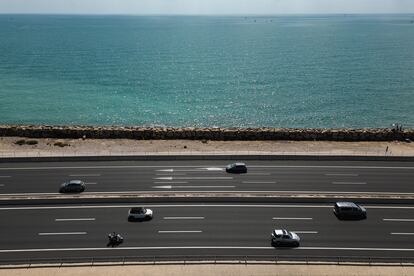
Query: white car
[282,237]
[139,213]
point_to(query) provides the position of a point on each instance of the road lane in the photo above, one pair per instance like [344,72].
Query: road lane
[229,226]
[262,176]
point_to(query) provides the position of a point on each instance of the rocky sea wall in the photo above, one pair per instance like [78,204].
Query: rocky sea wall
[220,134]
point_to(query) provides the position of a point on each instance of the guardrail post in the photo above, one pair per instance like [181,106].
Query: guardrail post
[245,260]
[92,261]
[123,260]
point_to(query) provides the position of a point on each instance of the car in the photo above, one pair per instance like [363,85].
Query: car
[349,210]
[73,186]
[139,213]
[236,168]
[283,237]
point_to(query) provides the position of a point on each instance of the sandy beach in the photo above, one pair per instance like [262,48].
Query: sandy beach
[9,147]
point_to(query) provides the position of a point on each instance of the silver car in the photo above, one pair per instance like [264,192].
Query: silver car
[282,237]
[139,213]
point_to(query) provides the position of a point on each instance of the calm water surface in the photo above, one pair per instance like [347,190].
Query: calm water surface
[280,71]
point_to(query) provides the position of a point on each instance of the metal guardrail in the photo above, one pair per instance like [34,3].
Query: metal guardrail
[206,259]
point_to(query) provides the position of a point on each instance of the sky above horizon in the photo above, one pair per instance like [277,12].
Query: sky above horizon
[204,7]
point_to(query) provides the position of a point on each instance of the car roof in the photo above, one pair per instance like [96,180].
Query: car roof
[137,209]
[346,204]
[280,232]
[239,164]
[75,182]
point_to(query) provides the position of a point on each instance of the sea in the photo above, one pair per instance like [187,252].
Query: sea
[297,71]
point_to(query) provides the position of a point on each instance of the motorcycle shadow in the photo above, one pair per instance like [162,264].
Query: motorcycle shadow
[113,244]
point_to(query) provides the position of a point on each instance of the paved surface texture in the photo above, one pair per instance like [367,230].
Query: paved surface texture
[213,270]
[210,176]
[79,147]
[204,229]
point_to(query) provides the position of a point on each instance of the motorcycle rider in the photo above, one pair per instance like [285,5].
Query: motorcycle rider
[114,239]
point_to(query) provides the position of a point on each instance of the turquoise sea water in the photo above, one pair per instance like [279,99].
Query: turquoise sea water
[276,71]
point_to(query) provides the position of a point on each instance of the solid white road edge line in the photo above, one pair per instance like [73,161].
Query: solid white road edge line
[395,233]
[62,233]
[190,191]
[91,183]
[202,247]
[402,220]
[280,218]
[305,232]
[76,219]
[183,218]
[178,231]
[193,205]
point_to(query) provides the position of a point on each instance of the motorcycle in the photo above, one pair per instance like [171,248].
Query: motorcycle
[115,239]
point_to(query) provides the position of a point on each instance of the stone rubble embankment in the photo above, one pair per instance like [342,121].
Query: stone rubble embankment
[217,134]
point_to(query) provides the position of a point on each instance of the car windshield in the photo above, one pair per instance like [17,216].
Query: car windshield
[139,210]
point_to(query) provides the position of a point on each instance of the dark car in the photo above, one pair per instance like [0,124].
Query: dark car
[236,168]
[73,186]
[349,210]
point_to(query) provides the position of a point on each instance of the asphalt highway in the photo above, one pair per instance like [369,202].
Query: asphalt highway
[202,229]
[207,176]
